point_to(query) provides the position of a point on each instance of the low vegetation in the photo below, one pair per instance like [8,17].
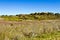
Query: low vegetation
[30,30]
[34,26]
[32,16]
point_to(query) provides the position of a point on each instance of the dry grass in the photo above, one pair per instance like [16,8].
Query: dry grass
[30,30]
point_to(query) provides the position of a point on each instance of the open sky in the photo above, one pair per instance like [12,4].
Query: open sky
[13,7]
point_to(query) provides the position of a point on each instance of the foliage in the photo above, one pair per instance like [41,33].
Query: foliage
[33,16]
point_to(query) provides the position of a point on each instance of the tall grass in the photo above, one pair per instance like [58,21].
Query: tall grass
[30,30]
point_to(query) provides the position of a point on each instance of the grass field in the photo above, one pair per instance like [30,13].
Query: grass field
[30,30]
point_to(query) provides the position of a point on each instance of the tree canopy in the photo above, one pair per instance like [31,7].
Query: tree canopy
[33,16]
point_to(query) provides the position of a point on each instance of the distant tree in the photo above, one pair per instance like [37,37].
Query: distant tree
[10,15]
[35,13]
[57,14]
[32,16]
[38,13]
[2,16]
[50,13]
[42,13]
[17,15]
[31,13]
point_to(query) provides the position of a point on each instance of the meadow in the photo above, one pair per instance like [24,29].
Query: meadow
[34,26]
[30,30]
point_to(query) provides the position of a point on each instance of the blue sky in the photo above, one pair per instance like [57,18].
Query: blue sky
[13,7]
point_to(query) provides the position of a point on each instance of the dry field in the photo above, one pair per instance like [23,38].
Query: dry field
[30,30]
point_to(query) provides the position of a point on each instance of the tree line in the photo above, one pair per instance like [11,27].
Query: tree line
[33,16]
